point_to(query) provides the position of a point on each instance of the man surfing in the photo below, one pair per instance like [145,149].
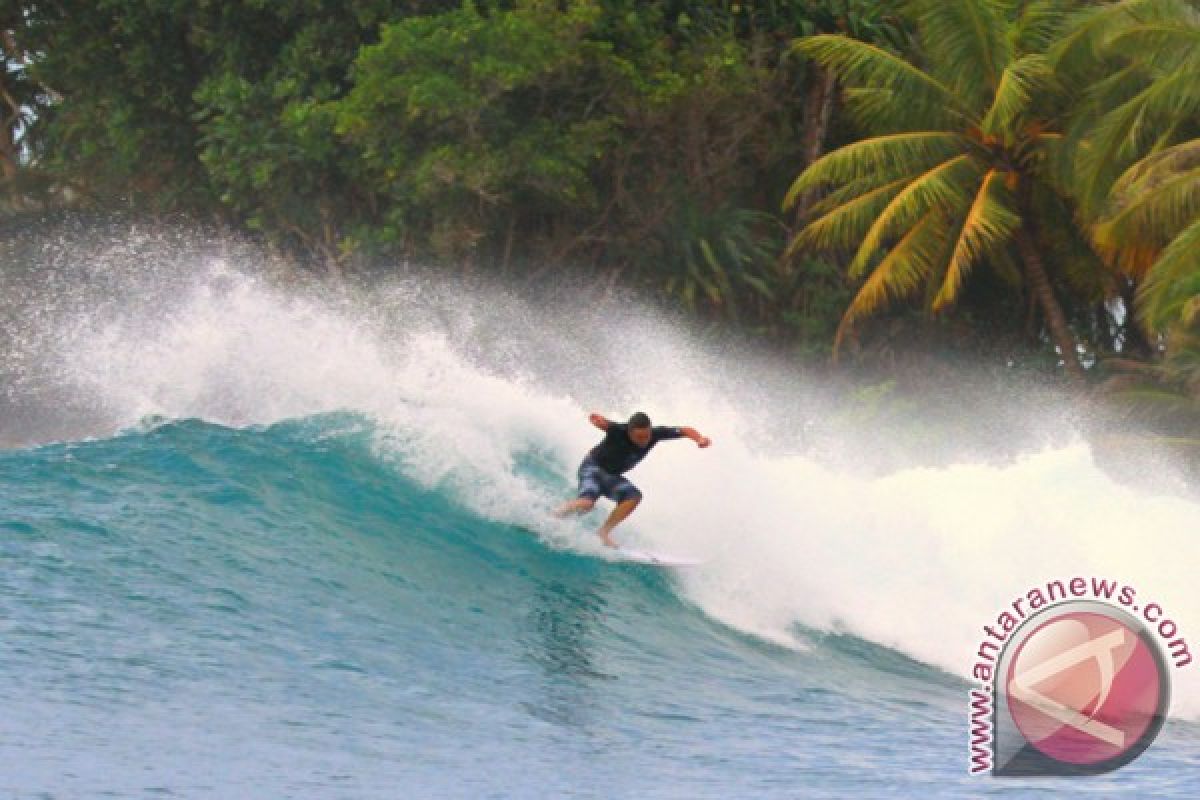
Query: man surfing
[601,471]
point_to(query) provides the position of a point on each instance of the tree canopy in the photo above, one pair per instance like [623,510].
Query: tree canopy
[795,168]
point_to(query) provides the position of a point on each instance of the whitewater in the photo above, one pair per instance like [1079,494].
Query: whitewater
[261,537]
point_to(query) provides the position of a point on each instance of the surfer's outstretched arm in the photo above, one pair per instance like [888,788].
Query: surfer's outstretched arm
[695,436]
[598,420]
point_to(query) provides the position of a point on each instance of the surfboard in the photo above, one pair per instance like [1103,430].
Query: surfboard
[655,559]
[635,556]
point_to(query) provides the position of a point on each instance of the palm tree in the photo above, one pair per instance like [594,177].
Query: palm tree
[1138,152]
[1138,182]
[957,171]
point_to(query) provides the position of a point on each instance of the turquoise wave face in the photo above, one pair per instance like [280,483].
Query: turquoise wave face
[279,612]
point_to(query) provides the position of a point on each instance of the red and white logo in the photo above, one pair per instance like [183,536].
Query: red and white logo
[1085,688]
[1071,685]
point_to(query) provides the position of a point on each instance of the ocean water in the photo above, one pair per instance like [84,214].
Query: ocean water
[269,543]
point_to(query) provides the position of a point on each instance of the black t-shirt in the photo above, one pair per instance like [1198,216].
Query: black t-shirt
[617,454]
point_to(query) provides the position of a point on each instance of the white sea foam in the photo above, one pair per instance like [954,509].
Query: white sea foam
[468,385]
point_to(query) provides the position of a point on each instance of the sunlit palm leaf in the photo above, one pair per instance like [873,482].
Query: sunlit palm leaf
[889,156]
[850,191]
[848,220]
[909,264]
[987,227]
[945,187]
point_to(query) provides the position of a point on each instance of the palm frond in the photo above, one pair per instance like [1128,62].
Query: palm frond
[1149,205]
[846,222]
[1173,280]
[1160,32]
[1038,25]
[1165,45]
[943,188]
[1162,164]
[1085,43]
[847,192]
[966,45]
[877,110]
[1126,132]
[987,226]
[1153,211]
[1018,83]
[861,64]
[1057,161]
[890,156]
[1090,175]
[912,261]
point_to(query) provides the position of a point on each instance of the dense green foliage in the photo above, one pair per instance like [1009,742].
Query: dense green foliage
[647,143]
[1012,178]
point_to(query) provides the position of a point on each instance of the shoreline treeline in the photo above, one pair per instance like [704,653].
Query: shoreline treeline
[1019,181]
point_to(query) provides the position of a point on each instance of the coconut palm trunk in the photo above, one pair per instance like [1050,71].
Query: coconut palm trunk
[10,113]
[818,111]
[1039,284]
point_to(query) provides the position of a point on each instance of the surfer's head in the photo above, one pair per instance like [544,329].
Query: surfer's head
[639,429]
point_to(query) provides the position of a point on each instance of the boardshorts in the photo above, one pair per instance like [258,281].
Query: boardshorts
[595,481]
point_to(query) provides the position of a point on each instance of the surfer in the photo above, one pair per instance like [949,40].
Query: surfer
[601,471]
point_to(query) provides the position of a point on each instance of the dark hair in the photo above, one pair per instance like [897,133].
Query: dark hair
[639,420]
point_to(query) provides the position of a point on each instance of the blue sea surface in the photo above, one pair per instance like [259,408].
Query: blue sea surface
[198,611]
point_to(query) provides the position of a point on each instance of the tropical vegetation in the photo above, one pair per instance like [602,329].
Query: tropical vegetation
[1015,180]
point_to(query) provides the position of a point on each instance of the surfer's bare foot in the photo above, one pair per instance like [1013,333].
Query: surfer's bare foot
[607,539]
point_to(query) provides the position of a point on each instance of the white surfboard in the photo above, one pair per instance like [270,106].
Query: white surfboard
[655,559]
